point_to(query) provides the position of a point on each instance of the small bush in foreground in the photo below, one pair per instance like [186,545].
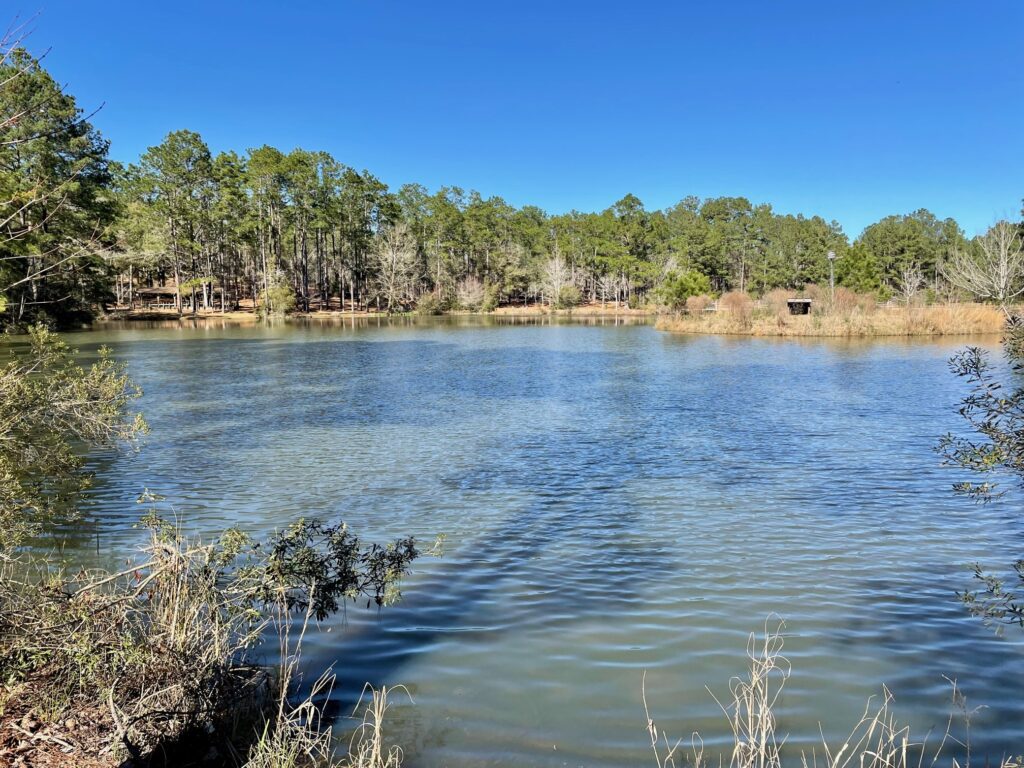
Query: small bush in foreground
[48,403]
[156,657]
[993,450]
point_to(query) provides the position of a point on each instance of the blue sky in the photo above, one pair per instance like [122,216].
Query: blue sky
[850,110]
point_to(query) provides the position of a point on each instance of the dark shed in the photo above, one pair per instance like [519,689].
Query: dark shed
[799,306]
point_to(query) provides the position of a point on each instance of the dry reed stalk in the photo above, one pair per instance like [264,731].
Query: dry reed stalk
[939,320]
[877,740]
[298,737]
[367,748]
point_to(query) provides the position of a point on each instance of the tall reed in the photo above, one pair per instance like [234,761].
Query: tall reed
[851,320]
[877,740]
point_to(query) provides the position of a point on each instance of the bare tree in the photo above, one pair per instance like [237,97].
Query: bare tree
[555,275]
[910,281]
[395,262]
[471,293]
[995,270]
[608,288]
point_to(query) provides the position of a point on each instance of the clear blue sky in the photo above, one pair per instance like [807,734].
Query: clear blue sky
[850,110]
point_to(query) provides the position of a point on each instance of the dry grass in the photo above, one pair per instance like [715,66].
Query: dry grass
[368,748]
[739,307]
[877,740]
[750,712]
[855,321]
[150,658]
[99,668]
[300,737]
[297,737]
[775,301]
[697,304]
[847,301]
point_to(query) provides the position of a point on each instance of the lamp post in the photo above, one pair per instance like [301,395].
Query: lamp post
[832,276]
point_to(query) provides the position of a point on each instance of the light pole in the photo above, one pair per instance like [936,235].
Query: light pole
[832,277]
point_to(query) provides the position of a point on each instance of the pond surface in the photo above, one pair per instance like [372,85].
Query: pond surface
[614,499]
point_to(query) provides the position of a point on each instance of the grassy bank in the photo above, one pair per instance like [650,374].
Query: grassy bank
[858,321]
[157,665]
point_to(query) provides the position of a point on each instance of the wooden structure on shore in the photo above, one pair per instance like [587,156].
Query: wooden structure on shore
[161,297]
[799,306]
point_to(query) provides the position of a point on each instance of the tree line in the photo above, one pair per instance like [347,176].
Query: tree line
[281,230]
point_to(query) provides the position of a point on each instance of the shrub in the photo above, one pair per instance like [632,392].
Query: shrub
[49,407]
[695,305]
[490,302]
[568,297]
[471,294]
[679,287]
[776,300]
[815,293]
[867,303]
[845,300]
[155,656]
[737,302]
[430,304]
[279,299]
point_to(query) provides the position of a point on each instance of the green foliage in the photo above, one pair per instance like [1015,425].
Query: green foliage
[490,302]
[860,271]
[196,283]
[55,200]
[678,287]
[994,413]
[313,566]
[895,243]
[48,403]
[995,416]
[995,603]
[569,296]
[252,223]
[278,299]
[430,304]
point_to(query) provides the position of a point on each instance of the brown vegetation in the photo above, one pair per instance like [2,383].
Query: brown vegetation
[697,304]
[739,305]
[150,666]
[851,317]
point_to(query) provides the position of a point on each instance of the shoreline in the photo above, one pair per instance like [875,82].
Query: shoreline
[940,320]
[898,322]
[249,316]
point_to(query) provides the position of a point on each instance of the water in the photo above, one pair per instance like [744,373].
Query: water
[614,499]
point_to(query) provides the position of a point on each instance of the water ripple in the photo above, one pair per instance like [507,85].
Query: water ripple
[615,500]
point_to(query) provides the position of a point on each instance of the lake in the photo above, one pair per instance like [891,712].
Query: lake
[614,500]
